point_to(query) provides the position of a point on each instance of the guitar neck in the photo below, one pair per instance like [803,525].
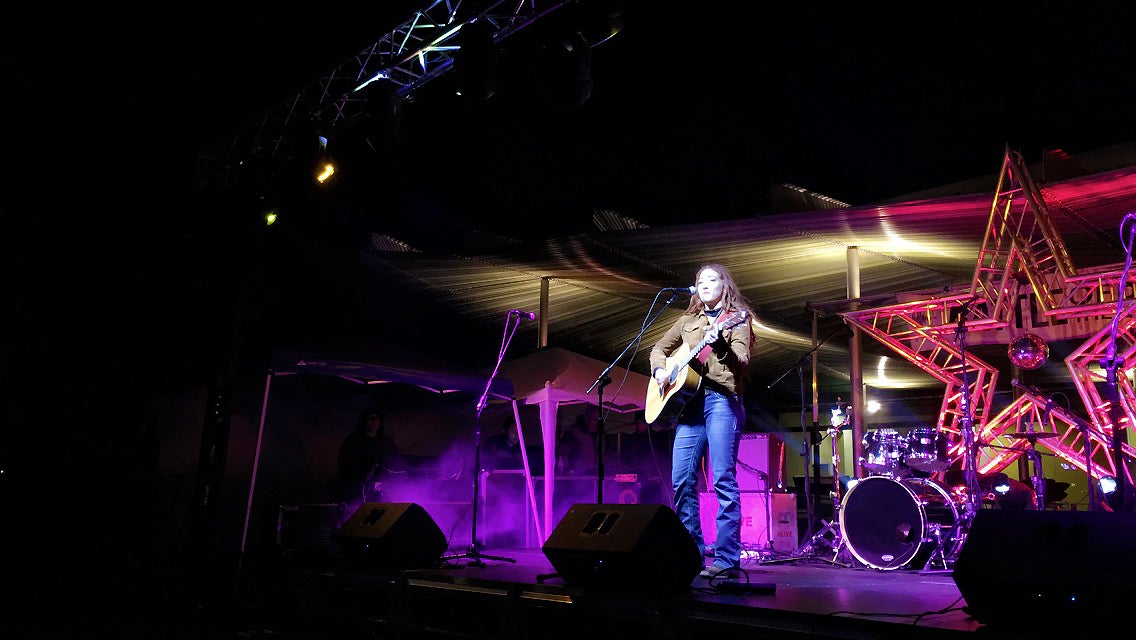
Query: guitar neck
[690,356]
[703,342]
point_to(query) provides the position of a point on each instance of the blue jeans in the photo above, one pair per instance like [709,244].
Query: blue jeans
[713,420]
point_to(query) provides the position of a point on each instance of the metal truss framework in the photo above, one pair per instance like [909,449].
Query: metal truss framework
[410,55]
[1021,247]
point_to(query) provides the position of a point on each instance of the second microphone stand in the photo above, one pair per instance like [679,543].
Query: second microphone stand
[604,379]
[966,421]
[512,321]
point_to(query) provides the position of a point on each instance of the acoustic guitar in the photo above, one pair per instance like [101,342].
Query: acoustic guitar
[666,401]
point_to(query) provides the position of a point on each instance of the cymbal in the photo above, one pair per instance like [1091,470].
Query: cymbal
[1030,435]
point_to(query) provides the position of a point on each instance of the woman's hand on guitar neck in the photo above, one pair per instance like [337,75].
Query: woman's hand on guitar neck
[712,334]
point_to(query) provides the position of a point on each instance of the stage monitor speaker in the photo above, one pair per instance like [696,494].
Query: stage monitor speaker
[639,547]
[392,535]
[1047,568]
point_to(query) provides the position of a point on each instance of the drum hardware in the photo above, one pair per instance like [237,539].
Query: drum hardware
[1086,431]
[829,535]
[938,560]
[1034,456]
[1032,436]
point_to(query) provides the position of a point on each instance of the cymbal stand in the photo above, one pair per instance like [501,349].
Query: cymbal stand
[808,436]
[1123,498]
[835,544]
[1037,478]
[1084,428]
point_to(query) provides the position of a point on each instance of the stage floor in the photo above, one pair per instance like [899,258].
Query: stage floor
[515,593]
[1030,573]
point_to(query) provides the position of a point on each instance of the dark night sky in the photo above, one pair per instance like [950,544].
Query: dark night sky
[694,113]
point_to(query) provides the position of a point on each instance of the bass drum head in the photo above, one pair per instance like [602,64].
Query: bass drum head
[886,523]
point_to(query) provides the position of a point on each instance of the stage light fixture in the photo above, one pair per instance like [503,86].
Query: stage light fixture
[564,70]
[598,20]
[325,167]
[475,61]
[1107,485]
[382,112]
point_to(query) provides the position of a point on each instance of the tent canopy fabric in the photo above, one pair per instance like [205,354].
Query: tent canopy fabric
[376,373]
[294,363]
[553,376]
[565,376]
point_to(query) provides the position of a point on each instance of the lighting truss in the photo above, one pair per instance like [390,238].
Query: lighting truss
[1021,244]
[410,55]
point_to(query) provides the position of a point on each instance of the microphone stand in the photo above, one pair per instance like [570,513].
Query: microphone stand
[973,491]
[600,382]
[1087,443]
[809,443]
[474,551]
[604,379]
[1110,363]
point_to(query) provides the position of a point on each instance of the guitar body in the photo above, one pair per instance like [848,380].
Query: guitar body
[666,402]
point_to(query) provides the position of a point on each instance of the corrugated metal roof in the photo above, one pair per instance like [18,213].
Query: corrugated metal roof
[601,285]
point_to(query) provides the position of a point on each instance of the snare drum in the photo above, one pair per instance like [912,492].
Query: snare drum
[926,450]
[883,449]
[889,524]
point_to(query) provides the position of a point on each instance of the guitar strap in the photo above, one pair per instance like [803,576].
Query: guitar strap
[704,355]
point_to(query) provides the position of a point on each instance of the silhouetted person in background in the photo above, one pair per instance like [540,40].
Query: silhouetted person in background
[503,450]
[363,455]
[575,449]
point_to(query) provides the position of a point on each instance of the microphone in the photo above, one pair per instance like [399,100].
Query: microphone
[1045,412]
[526,315]
[691,290]
[964,307]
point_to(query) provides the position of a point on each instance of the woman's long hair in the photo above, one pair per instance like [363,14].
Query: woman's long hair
[732,297]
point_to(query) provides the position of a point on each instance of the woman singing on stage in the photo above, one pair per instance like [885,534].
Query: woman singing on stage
[718,318]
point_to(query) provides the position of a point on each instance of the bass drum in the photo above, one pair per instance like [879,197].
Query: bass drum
[890,524]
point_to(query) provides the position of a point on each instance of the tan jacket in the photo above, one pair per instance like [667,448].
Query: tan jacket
[726,366]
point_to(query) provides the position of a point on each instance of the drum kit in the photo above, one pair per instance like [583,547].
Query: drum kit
[894,518]
[899,517]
